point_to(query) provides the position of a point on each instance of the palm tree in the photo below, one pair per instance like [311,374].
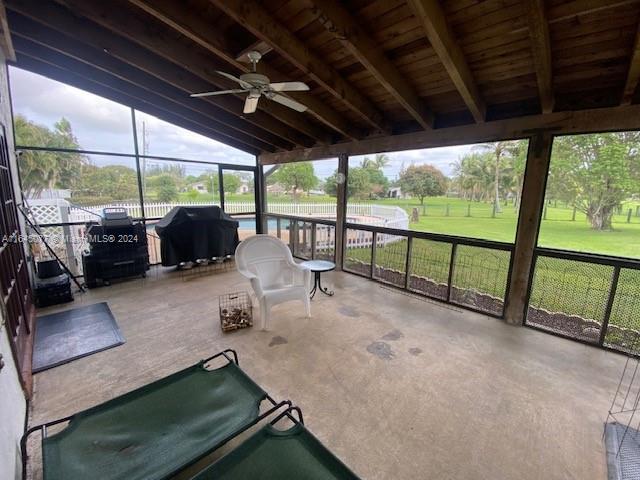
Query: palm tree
[381,160]
[40,170]
[499,150]
[473,175]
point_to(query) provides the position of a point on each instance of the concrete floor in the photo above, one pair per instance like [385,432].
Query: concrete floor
[396,386]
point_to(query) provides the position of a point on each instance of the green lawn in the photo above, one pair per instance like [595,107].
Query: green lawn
[574,288]
[454,216]
[476,219]
[557,230]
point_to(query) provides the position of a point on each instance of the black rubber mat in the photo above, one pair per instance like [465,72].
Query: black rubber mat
[65,336]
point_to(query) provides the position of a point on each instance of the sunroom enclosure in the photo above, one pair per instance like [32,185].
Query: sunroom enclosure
[63,222]
[588,297]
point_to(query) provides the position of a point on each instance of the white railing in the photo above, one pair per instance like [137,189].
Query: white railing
[379,215]
[55,211]
[369,214]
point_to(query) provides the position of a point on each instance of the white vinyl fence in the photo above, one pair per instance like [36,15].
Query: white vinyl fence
[371,214]
[47,211]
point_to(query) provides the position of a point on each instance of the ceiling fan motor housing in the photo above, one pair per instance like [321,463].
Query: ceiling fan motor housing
[255,79]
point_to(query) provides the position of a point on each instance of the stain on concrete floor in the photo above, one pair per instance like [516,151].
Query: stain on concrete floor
[278,340]
[381,350]
[415,351]
[349,311]
[393,335]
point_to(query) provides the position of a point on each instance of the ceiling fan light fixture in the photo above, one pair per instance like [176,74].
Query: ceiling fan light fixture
[257,85]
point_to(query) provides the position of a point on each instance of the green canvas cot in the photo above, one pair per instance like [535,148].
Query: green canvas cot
[272,454]
[155,431]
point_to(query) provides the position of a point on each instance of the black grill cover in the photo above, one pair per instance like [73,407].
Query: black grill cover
[191,233]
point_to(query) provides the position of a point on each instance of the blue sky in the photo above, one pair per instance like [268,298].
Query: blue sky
[102,125]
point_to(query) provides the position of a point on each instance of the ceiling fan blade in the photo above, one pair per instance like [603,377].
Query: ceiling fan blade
[220,92]
[242,83]
[250,104]
[287,102]
[289,87]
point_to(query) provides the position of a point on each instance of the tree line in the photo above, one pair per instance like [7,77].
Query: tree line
[365,181]
[91,184]
[592,173]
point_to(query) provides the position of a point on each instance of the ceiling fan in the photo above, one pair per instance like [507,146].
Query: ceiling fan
[257,85]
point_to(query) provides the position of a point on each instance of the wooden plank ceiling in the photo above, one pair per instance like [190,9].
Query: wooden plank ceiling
[375,67]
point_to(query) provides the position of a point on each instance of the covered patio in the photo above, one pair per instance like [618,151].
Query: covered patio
[409,389]
[416,367]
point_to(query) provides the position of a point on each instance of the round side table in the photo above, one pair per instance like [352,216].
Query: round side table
[317,267]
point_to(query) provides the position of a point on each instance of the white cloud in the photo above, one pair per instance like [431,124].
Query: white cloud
[103,125]
[442,158]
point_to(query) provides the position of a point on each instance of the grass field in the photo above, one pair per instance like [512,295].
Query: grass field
[475,219]
[574,288]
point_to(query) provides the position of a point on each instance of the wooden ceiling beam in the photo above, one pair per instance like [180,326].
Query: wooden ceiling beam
[138,29]
[575,122]
[541,50]
[257,46]
[339,21]
[5,35]
[81,71]
[633,75]
[566,10]
[60,19]
[577,8]
[252,16]
[55,42]
[434,22]
[199,30]
[69,78]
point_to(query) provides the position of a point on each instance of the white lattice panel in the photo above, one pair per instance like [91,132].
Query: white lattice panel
[44,214]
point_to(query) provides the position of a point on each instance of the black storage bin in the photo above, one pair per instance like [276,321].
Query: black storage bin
[53,290]
[48,268]
[116,250]
[101,269]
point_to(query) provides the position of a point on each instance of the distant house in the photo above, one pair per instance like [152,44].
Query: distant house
[199,187]
[395,192]
[244,187]
[276,189]
[316,192]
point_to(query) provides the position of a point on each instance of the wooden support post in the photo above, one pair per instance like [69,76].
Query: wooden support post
[260,196]
[531,207]
[304,234]
[341,209]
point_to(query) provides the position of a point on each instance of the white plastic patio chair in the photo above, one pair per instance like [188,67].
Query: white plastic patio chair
[275,278]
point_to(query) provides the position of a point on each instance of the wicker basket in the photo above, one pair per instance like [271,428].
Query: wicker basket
[236,311]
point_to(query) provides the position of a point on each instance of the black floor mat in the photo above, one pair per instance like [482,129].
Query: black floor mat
[65,336]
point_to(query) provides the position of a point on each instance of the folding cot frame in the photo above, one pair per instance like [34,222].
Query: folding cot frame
[42,428]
